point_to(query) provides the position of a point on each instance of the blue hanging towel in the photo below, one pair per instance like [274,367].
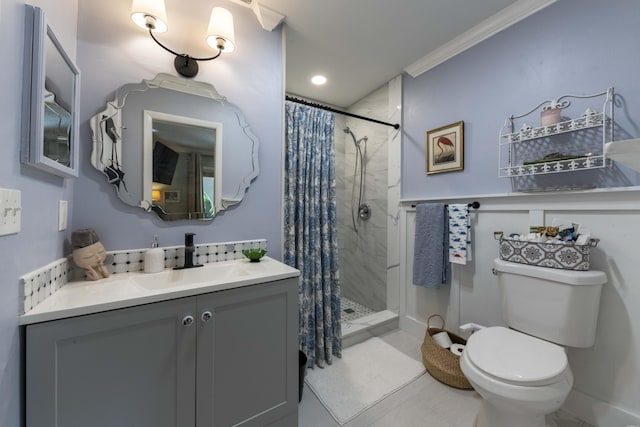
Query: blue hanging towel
[430,254]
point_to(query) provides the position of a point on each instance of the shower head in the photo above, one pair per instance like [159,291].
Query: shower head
[355,141]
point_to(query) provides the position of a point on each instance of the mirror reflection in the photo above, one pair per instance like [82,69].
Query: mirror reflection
[185,165]
[162,144]
[58,100]
[57,130]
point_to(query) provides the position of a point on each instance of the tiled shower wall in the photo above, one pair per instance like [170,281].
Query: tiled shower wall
[363,255]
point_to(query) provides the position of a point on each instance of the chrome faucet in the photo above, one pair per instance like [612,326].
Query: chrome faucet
[189,249]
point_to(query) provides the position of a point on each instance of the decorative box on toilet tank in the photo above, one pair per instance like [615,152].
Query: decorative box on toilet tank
[567,256]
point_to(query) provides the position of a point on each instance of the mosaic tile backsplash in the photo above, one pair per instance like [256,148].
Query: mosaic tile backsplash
[39,284]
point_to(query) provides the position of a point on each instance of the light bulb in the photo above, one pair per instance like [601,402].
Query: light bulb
[221,31]
[150,15]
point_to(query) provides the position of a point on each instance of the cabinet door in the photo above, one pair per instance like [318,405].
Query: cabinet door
[128,367]
[247,359]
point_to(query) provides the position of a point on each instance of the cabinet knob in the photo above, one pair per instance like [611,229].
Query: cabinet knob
[187,321]
[206,316]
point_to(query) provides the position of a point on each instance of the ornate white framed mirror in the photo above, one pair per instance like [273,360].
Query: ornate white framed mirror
[172,128]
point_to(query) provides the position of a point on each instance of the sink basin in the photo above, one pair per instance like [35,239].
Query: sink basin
[216,272]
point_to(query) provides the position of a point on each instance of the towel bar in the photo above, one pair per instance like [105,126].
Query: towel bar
[474,205]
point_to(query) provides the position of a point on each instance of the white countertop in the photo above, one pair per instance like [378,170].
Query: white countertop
[131,289]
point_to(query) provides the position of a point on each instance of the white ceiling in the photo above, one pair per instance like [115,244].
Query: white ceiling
[359,45]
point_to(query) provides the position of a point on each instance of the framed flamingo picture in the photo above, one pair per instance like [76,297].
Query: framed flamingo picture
[445,148]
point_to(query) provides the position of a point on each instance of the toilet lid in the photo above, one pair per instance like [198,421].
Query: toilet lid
[515,357]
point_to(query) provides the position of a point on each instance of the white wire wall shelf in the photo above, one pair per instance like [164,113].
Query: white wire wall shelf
[563,145]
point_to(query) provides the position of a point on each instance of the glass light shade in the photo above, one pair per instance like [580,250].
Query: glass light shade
[156,195]
[143,10]
[221,27]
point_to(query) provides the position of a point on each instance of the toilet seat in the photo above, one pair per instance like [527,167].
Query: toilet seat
[516,358]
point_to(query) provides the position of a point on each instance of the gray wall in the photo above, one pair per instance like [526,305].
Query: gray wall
[110,52]
[571,47]
[113,52]
[363,255]
[39,242]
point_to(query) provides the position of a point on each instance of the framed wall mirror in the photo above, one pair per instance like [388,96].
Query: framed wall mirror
[51,100]
[175,147]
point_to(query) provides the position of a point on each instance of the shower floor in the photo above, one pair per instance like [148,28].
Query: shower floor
[351,310]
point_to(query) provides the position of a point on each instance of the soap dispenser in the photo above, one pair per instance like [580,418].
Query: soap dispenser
[154,258]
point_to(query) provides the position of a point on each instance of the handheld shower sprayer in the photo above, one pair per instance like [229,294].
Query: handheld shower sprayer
[363,211]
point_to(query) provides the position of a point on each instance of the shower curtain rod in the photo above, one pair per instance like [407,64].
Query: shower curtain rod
[333,110]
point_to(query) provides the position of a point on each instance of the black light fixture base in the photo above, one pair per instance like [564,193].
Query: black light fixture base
[186,66]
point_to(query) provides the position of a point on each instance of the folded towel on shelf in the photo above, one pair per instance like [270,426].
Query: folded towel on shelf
[459,234]
[430,262]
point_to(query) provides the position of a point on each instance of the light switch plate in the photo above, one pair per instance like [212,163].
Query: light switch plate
[10,211]
[62,215]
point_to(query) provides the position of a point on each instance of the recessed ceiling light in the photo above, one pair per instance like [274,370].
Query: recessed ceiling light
[318,80]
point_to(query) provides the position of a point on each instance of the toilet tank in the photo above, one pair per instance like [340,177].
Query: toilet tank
[556,305]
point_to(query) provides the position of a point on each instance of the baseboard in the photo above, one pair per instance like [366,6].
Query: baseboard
[413,326]
[418,328]
[597,412]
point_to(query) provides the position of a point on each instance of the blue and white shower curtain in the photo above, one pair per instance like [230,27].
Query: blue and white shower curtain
[310,229]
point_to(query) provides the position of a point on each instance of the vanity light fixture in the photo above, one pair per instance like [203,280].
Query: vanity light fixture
[152,15]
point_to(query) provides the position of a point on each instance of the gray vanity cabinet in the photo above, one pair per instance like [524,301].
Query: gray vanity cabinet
[220,359]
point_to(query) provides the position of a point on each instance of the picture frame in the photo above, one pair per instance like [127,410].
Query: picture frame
[50,107]
[172,196]
[445,148]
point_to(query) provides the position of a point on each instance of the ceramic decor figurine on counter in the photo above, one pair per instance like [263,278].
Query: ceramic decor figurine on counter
[89,253]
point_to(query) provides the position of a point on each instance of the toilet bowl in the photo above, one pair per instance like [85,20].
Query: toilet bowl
[520,378]
[522,372]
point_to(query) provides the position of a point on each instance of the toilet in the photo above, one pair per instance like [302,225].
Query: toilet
[521,371]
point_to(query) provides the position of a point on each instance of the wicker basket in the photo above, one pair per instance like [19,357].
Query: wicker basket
[442,364]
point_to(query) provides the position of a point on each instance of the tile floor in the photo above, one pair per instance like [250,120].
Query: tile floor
[422,403]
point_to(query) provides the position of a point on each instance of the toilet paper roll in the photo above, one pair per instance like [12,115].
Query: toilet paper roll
[457,349]
[442,339]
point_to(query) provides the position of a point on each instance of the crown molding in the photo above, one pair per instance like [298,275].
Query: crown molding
[269,19]
[487,28]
